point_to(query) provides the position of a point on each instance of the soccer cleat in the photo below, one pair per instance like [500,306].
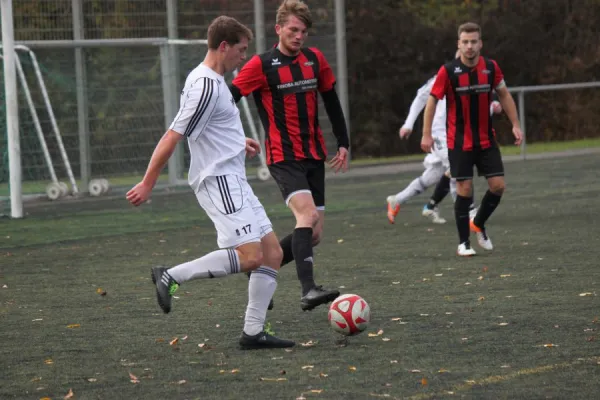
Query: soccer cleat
[392,208]
[165,287]
[263,340]
[482,238]
[465,250]
[433,214]
[268,328]
[473,212]
[317,296]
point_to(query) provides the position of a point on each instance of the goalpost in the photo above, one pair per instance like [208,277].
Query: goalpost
[121,137]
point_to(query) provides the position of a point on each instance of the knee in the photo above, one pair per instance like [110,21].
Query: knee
[273,256]
[252,259]
[498,188]
[309,218]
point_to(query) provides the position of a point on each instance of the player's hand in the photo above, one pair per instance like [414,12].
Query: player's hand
[340,161]
[496,107]
[139,194]
[252,147]
[405,132]
[426,143]
[518,134]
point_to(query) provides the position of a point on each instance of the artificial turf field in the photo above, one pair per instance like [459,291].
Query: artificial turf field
[78,314]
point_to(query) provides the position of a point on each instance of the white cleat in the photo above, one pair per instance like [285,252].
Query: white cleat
[392,208]
[465,250]
[473,212]
[484,241]
[433,215]
[482,238]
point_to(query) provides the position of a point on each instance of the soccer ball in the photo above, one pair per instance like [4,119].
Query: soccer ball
[349,314]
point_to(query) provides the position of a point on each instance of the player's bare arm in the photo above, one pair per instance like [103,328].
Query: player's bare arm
[165,147]
[509,106]
[427,140]
[405,132]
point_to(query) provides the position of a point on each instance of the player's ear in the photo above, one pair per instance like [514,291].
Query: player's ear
[223,46]
[278,29]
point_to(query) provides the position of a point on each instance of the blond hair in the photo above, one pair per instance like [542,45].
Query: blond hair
[297,8]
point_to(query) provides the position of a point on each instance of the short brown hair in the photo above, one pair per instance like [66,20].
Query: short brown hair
[226,29]
[297,8]
[469,27]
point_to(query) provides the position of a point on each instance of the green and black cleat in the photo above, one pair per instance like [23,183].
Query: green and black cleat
[165,287]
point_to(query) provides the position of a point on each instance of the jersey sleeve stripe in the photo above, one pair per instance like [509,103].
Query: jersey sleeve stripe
[202,106]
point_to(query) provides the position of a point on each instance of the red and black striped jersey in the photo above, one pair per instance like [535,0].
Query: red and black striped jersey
[285,90]
[468,92]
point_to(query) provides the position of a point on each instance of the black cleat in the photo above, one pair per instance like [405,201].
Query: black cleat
[317,296]
[165,287]
[263,341]
[271,305]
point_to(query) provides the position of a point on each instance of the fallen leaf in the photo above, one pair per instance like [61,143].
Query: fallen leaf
[217,326]
[133,378]
[415,371]
[591,339]
[317,391]
[502,323]
[443,370]
[71,326]
[69,395]
[439,274]
[181,382]
[393,361]
[308,367]
[92,379]
[310,343]
[480,278]
[221,371]
[301,398]
[273,379]
[550,345]
[159,340]
[386,339]
[101,291]
[174,341]
[505,366]
[586,294]
[184,338]
[424,381]
[485,269]
[467,283]
[235,371]
[340,241]
[504,275]
[48,362]
[45,398]
[37,320]
[481,298]
[396,283]
[36,379]
[396,319]
[351,368]
[282,372]
[424,315]
[323,375]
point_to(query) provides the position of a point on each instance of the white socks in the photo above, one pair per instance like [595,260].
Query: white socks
[217,264]
[261,287]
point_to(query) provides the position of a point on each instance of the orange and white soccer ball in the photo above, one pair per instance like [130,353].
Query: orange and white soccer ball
[349,314]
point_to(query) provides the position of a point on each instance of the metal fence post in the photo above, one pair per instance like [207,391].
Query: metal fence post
[169,107]
[523,128]
[340,50]
[83,127]
[173,33]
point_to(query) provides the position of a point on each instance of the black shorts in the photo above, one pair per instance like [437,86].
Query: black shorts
[488,163]
[300,176]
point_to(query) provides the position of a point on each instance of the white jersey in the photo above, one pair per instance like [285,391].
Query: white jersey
[438,129]
[210,119]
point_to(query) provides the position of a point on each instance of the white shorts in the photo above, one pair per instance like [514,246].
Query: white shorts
[234,209]
[439,154]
